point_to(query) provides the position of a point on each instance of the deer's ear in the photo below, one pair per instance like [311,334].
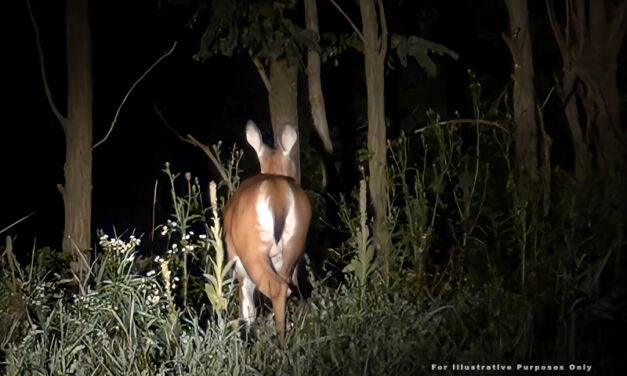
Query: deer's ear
[253,136]
[288,139]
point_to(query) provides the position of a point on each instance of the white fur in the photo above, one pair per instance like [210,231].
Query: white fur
[253,136]
[288,231]
[290,221]
[288,139]
[247,289]
[265,220]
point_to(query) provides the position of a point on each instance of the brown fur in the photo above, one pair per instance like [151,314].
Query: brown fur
[240,221]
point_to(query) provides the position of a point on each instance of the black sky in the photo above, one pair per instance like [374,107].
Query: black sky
[212,101]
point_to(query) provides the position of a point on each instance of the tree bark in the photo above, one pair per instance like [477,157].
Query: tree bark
[77,127]
[78,136]
[526,132]
[374,30]
[606,33]
[283,100]
[582,157]
[316,98]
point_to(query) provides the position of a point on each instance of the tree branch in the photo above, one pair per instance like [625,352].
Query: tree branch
[361,36]
[62,119]
[16,222]
[579,17]
[260,70]
[210,154]
[115,118]
[316,97]
[191,140]
[464,121]
[165,122]
[618,27]
[559,37]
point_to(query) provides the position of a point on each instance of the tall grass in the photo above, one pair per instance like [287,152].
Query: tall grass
[480,272]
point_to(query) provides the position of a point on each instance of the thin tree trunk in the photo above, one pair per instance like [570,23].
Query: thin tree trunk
[375,45]
[78,136]
[77,127]
[583,161]
[316,98]
[526,134]
[283,99]
[607,26]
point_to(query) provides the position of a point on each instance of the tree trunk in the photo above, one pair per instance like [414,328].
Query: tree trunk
[283,98]
[316,99]
[582,157]
[375,45]
[607,27]
[589,43]
[78,137]
[526,135]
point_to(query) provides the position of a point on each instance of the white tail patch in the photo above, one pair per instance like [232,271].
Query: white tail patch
[290,221]
[276,253]
[265,219]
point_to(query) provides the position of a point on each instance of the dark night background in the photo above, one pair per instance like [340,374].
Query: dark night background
[210,100]
[213,100]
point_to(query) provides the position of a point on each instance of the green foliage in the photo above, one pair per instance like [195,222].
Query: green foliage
[261,28]
[208,250]
[461,287]
[419,49]
[268,31]
[218,279]
[336,43]
[361,264]
[514,285]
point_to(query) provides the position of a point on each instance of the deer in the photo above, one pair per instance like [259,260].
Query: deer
[265,225]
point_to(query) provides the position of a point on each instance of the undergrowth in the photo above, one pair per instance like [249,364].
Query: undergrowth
[481,273]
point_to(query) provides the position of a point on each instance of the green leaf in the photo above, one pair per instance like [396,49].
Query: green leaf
[419,49]
[210,277]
